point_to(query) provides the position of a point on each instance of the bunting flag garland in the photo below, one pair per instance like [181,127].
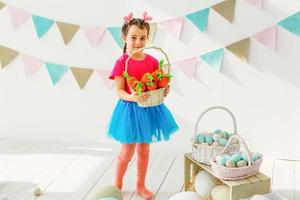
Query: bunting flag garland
[292,23]
[94,34]
[256,3]
[103,74]
[67,31]
[31,64]
[267,37]
[116,34]
[2,5]
[214,59]
[240,49]
[17,16]
[187,66]
[42,25]
[81,75]
[226,9]
[6,55]
[199,18]
[174,26]
[56,71]
[153,28]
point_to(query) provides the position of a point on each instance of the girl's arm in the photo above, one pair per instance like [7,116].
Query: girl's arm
[120,87]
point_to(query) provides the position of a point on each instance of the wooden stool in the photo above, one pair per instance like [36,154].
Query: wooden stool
[257,184]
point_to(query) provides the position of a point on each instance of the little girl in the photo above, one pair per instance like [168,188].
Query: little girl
[133,126]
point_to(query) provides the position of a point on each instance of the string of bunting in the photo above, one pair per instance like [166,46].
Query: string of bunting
[94,33]
[188,66]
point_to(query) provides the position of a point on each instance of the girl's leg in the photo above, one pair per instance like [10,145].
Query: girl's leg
[143,151]
[123,159]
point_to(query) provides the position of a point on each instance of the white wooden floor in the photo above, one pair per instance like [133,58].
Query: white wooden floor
[74,171]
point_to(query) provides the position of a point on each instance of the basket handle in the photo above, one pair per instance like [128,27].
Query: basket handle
[213,108]
[150,47]
[242,141]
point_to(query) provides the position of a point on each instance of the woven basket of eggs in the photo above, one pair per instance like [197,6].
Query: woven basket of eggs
[206,146]
[239,165]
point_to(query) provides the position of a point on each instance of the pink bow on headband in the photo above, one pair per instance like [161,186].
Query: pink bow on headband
[146,18]
[128,18]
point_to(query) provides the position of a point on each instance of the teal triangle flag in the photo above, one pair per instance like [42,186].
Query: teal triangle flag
[214,59]
[42,25]
[56,71]
[116,33]
[199,18]
[292,23]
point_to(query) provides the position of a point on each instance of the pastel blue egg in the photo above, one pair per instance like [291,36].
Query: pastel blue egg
[208,139]
[226,156]
[222,161]
[244,156]
[223,141]
[200,138]
[255,156]
[236,157]
[217,131]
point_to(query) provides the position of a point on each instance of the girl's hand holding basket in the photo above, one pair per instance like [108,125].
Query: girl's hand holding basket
[153,87]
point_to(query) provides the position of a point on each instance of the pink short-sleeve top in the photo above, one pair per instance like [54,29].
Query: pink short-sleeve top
[136,68]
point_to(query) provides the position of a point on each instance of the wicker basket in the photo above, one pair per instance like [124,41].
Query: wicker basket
[155,97]
[236,173]
[203,152]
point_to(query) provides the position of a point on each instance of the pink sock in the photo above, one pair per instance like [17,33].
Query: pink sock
[123,159]
[143,151]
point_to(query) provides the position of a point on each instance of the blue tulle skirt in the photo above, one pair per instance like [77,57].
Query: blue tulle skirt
[131,123]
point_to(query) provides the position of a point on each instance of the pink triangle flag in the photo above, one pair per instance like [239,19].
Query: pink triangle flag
[17,16]
[31,64]
[174,26]
[256,3]
[104,74]
[187,66]
[267,37]
[93,34]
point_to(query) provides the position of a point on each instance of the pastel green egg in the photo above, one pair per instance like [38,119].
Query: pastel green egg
[200,138]
[236,157]
[208,139]
[223,142]
[244,156]
[229,135]
[255,156]
[222,161]
[226,156]
[217,131]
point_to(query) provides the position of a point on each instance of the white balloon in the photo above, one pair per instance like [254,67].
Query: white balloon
[204,183]
[186,196]
[220,192]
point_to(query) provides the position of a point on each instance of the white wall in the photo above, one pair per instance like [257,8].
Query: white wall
[263,94]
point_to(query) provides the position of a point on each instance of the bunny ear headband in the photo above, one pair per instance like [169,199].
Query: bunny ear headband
[145,17]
